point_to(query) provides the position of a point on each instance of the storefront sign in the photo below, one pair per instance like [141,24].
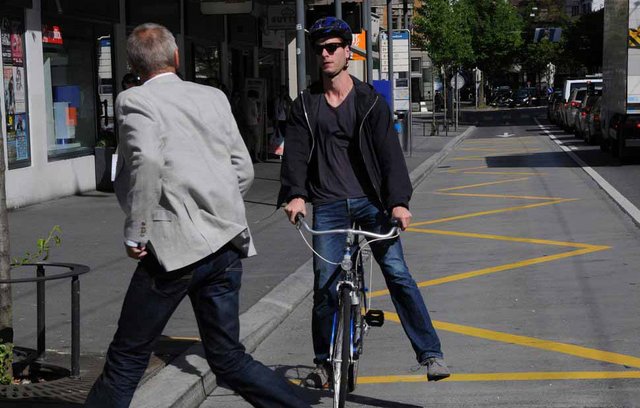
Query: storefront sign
[273,39]
[226,6]
[51,34]
[359,46]
[281,17]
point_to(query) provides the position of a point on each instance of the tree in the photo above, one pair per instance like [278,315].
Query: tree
[443,29]
[6,311]
[537,57]
[584,42]
[496,33]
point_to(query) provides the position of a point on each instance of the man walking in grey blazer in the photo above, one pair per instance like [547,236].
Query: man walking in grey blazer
[183,169]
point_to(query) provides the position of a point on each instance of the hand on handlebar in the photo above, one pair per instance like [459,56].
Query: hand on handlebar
[403,215]
[294,207]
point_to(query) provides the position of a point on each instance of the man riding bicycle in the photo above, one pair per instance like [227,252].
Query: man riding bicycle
[344,157]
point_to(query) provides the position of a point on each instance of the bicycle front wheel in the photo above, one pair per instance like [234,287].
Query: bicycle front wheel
[358,325]
[341,350]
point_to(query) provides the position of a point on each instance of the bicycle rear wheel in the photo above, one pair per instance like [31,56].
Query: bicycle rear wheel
[341,350]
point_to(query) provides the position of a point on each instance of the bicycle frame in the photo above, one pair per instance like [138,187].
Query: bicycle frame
[345,350]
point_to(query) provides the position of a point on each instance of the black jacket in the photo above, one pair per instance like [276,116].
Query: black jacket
[377,140]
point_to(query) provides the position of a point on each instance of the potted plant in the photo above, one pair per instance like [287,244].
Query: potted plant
[104,151]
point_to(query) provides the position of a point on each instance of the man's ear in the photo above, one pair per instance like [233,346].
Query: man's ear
[176,59]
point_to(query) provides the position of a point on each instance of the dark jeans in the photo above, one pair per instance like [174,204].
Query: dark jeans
[405,294]
[213,286]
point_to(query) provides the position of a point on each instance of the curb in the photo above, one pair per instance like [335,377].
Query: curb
[187,380]
[421,172]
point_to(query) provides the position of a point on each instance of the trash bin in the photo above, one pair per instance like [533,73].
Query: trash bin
[402,127]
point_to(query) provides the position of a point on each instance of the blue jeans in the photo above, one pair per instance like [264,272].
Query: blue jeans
[213,285]
[405,294]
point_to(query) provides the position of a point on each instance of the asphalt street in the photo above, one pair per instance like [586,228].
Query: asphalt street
[91,226]
[529,270]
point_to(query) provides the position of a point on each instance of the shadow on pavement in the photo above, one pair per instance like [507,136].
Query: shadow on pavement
[547,159]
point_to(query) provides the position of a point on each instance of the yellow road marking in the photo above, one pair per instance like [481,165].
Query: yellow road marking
[499,196]
[490,212]
[470,158]
[495,269]
[504,172]
[178,338]
[489,183]
[516,376]
[518,141]
[507,238]
[557,347]
[466,168]
[505,149]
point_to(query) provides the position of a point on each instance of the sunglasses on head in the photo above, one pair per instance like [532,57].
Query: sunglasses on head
[331,47]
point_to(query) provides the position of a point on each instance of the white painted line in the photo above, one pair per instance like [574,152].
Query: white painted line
[621,200]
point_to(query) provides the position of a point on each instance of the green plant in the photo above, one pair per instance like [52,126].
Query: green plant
[42,254]
[6,359]
[43,248]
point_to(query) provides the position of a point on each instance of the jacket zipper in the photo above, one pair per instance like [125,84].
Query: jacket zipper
[361,153]
[306,116]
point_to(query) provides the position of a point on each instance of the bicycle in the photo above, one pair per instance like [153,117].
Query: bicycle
[354,307]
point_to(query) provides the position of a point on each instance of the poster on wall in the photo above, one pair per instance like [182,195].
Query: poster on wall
[11,147]
[15,92]
[22,141]
[17,48]
[9,90]
[5,39]
[18,92]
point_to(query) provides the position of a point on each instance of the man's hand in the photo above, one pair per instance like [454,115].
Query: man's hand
[403,215]
[295,207]
[136,253]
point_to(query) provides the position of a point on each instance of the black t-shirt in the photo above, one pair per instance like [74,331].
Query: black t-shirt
[339,171]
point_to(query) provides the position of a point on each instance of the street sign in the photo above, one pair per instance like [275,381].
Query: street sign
[401,51]
[401,66]
[460,82]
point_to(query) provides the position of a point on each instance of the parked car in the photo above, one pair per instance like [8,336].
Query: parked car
[594,126]
[524,97]
[623,132]
[572,108]
[567,88]
[580,122]
[552,106]
[501,97]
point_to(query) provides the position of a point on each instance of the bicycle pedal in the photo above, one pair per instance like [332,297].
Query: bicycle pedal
[374,318]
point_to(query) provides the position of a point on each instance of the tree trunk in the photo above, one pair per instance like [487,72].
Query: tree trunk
[6,311]
[481,101]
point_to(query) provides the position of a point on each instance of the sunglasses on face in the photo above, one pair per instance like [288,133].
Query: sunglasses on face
[331,47]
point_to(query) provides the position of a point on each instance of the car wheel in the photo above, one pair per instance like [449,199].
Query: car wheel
[604,143]
[621,152]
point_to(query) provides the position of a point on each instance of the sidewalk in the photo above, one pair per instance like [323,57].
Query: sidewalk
[178,374]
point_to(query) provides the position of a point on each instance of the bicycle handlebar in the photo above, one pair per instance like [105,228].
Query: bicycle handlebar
[300,222]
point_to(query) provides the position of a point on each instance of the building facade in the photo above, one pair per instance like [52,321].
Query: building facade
[62,62]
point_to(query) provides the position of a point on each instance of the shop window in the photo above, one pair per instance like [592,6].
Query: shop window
[14,82]
[206,64]
[78,86]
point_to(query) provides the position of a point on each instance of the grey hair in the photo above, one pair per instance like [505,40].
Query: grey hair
[150,48]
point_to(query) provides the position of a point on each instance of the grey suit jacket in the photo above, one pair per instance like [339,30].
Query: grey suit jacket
[182,171]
